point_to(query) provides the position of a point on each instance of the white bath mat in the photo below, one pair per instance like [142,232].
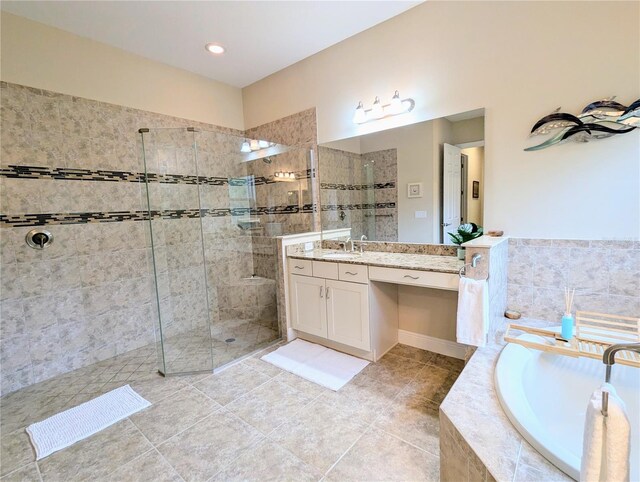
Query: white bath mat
[316,363]
[77,423]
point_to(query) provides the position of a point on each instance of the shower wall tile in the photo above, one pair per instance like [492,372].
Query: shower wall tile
[604,273]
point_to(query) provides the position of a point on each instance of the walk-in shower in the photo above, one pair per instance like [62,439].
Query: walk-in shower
[214,213]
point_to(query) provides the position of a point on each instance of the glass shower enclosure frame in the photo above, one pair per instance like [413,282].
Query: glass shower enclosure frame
[214,211]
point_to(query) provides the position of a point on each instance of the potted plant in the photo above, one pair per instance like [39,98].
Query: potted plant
[465,232]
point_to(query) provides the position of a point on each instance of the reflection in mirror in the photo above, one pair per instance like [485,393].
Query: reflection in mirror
[412,184]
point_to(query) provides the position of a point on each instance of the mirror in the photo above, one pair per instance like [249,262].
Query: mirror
[412,184]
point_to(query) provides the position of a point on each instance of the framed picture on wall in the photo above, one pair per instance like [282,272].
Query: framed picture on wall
[414,189]
[476,189]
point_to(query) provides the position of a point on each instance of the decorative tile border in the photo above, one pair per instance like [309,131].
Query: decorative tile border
[357,207]
[70,174]
[357,187]
[119,216]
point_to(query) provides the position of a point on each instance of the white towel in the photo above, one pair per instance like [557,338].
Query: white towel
[605,450]
[473,312]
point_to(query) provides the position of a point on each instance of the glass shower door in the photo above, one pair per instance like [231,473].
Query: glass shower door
[177,253]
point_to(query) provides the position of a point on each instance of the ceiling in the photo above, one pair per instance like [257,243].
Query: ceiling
[261,37]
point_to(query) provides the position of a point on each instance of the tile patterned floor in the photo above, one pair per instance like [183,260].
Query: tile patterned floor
[217,345]
[252,421]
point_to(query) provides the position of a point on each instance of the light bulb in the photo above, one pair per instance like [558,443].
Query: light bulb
[377,111]
[396,104]
[360,115]
[263,144]
[214,48]
[245,147]
[254,145]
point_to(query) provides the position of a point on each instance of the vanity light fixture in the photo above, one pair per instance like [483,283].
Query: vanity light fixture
[360,116]
[379,111]
[284,176]
[214,48]
[251,145]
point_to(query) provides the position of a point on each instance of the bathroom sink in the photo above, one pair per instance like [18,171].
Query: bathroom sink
[341,255]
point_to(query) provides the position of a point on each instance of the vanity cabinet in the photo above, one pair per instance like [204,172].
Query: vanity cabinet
[308,306]
[331,309]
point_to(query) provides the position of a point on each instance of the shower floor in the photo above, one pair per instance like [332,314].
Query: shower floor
[231,339]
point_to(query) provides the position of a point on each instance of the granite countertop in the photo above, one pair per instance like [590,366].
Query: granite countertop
[422,262]
[472,406]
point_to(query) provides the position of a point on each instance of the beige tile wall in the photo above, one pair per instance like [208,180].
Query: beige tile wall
[605,274]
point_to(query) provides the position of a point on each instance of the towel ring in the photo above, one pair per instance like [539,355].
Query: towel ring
[462,272]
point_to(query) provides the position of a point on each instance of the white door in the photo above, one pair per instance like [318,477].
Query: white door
[308,307]
[451,190]
[348,313]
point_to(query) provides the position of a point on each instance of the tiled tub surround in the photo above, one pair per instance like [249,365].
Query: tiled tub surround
[75,165]
[252,421]
[605,274]
[477,440]
[363,188]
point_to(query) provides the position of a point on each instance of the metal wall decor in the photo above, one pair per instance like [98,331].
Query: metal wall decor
[598,120]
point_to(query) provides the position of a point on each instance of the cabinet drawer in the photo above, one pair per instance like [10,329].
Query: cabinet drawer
[428,279]
[300,266]
[323,269]
[353,272]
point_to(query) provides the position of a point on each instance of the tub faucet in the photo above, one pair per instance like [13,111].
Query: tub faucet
[609,358]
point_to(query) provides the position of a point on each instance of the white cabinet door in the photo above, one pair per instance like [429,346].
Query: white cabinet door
[348,313]
[308,307]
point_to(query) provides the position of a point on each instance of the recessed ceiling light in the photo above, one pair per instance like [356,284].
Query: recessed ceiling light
[214,48]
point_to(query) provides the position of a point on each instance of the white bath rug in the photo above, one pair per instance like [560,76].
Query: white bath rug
[68,427]
[316,363]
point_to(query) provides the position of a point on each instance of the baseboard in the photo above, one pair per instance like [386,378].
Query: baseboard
[436,345]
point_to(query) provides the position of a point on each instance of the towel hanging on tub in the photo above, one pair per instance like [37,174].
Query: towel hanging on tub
[605,450]
[472,323]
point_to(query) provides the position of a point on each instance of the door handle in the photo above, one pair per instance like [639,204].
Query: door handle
[412,277]
[321,291]
[446,224]
[327,293]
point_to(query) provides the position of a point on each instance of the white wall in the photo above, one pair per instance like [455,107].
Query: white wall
[519,60]
[44,57]
[414,146]
[475,161]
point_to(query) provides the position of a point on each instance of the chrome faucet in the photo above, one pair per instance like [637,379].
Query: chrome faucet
[363,238]
[349,240]
[609,359]
[609,356]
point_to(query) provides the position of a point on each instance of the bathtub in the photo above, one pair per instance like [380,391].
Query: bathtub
[545,396]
